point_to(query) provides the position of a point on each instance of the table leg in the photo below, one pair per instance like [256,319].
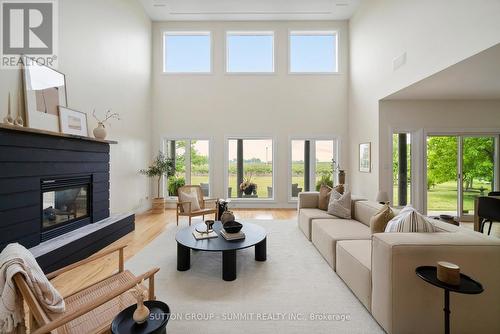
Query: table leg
[229,265]
[446,311]
[261,251]
[183,257]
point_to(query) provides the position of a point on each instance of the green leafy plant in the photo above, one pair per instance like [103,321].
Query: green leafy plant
[326,179]
[174,183]
[161,166]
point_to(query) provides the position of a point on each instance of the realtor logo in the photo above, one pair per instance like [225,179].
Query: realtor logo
[28,28]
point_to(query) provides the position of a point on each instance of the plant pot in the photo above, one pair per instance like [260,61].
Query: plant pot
[341,176]
[158,205]
[100,131]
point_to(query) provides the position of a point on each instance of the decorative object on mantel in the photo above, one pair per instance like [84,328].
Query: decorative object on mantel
[161,166]
[73,122]
[19,120]
[141,313]
[44,91]
[382,197]
[448,273]
[365,163]
[8,119]
[100,130]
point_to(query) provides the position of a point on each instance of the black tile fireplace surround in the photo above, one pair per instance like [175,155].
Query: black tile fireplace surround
[51,184]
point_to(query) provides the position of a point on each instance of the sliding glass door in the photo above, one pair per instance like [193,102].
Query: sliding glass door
[459,169]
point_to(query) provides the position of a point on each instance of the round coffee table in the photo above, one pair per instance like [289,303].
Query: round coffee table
[254,236]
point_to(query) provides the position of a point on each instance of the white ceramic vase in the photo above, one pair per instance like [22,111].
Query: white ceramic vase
[100,131]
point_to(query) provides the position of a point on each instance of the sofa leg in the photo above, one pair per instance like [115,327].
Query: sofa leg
[489,228]
[189,220]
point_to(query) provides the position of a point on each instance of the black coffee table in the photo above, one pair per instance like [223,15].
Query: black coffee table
[255,236]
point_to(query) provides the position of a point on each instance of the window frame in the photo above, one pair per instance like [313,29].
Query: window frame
[312,169]
[226,167]
[249,33]
[336,33]
[165,139]
[165,33]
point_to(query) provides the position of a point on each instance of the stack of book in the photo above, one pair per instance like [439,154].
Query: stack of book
[201,236]
[232,236]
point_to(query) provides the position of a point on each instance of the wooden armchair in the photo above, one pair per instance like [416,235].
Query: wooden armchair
[91,309]
[207,206]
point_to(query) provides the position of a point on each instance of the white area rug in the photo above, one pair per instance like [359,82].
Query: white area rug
[281,295]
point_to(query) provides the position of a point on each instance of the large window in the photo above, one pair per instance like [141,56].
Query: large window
[250,168]
[187,52]
[312,164]
[192,164]
[401,169]
[313,52]
[250,52]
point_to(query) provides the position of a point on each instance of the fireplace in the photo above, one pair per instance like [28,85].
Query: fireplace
[66,205]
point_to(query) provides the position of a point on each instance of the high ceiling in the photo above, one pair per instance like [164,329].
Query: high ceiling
[243,10]
[477,77]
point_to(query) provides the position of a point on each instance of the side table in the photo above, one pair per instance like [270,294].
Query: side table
[155,324]
[467,286]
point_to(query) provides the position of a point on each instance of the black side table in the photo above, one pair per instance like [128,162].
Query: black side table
[467,286]
[155,324]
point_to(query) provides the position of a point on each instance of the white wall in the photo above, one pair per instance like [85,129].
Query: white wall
[105,52]
[420,117]
[434,34]
[279,105]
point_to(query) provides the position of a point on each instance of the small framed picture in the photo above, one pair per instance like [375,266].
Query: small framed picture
[365,158]
[73,122]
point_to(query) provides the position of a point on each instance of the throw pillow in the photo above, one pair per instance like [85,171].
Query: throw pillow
[191,198]
[379,221]
[409,220]
[324,195]
[340,205]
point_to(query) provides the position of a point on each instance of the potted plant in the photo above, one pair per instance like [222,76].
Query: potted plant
[341,172]
[247,186]
[161,166]
[100,131]
[174,183]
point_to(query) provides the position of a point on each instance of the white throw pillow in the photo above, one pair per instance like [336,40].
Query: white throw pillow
[191,198]
[340,205]
[409,220]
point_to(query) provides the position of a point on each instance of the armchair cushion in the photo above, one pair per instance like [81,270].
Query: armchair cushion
[187,199]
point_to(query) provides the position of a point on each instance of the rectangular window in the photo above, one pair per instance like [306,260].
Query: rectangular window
[250,173]
[312,164]
[192,164]
[250,52]
[187,52]
[313,52]
[401,168]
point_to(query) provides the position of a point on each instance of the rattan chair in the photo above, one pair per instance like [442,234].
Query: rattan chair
[207,206]
[91,309]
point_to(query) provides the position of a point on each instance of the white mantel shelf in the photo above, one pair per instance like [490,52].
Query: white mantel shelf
[54,134]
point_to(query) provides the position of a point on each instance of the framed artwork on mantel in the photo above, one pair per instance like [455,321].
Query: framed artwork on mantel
[365,157]
[44,91]
[73,122]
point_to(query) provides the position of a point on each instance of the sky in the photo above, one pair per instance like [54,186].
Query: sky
[250,53]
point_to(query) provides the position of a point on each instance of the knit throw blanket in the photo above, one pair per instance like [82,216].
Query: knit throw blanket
[17,259]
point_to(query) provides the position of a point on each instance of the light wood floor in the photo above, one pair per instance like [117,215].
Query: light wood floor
[147,227]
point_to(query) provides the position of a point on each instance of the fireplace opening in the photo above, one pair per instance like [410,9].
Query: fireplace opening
[65,205]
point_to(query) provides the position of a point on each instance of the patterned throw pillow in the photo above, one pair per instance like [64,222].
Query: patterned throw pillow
[340,205]
[379,221]
[191,198]
[325,193]
[409,220]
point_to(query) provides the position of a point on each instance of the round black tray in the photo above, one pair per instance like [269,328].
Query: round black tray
[467,285]
[156,323]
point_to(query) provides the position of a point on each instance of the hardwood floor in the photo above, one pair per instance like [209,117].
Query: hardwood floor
[147,227]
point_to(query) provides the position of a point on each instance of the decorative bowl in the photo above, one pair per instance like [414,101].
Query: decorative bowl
[232,227]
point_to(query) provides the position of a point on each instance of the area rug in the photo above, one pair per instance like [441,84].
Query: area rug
[294,291]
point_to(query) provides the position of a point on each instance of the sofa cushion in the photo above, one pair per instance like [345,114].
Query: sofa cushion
[364,210]
[340,204]
[379,221]
[307,215]
[324,197]
[353,263]
[326,232]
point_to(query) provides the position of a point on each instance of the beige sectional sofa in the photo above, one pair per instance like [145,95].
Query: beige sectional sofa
[380,269]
